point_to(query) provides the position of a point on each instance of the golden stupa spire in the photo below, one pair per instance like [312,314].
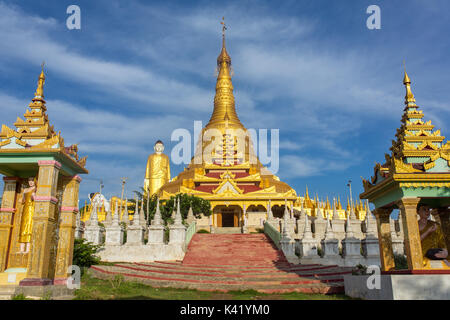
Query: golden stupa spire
[327,205]
[409,98]
[339,205]
[40,86]
[224,106]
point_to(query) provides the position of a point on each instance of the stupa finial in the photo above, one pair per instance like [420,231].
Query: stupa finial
[41,81]
[224,113]
[409,97]
[223,57]
[224,28]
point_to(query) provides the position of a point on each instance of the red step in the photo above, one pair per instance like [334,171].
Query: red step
[224,262]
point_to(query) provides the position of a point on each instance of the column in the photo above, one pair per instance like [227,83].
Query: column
[44,225]
[384,237]
[67,225]
[6,218]
[413,246]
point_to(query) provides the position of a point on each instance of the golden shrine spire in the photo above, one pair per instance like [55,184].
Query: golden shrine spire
[409,98]
[41,81]
[224,105]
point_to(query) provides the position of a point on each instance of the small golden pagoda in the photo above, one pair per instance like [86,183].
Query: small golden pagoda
[328,209]
[417,172]
[229,176]
[40,199]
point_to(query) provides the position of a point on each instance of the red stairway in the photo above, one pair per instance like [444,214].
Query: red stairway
[233,250]
[225,262]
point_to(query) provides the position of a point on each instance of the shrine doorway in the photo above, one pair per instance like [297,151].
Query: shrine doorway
[227,216]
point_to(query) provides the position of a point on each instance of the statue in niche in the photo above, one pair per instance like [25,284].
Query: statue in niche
[432,238]
[26,225]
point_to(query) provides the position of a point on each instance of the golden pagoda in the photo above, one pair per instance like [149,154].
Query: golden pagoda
[225,169]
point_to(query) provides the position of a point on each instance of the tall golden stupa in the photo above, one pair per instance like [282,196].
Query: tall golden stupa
[225,169]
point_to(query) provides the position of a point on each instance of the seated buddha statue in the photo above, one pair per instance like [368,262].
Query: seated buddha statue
[432,239]
[26,225]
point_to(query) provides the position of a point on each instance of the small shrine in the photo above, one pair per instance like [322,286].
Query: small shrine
[416,180]
[40,199]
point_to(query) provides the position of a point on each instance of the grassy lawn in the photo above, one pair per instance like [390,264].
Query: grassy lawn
[117,289]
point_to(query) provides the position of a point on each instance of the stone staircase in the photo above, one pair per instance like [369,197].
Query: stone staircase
[226,262]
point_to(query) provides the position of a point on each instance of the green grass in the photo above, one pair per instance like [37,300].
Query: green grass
[19,297]
[118,289]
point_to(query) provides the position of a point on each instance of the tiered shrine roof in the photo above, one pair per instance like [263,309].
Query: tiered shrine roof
[419,157]
[34,135]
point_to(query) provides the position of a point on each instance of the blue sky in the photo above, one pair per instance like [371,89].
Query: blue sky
[138,70]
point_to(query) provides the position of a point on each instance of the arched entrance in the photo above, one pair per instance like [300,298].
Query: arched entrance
[278,211]
[227,216]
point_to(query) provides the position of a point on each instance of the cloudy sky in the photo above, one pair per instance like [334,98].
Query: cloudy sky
[137,70]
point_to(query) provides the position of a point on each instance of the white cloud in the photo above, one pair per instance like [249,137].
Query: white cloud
[289,145]
[27,38]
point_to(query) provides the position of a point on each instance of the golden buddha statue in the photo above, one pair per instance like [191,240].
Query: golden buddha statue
[158,169]
[432,239]
[26,225]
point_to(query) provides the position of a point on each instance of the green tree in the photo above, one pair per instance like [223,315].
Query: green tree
[84,253]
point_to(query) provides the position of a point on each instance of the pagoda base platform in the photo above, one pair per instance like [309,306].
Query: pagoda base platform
[399,287]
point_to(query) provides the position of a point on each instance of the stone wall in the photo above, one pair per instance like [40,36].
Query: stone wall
[342,242]
[143,242]
[142,253]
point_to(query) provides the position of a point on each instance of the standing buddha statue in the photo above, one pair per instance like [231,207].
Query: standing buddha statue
[158,169]
[26,225]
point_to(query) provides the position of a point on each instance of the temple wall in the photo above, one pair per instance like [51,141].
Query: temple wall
[255,220]
[141,253]
[204,223]
[342,247]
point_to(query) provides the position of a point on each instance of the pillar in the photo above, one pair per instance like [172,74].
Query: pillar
[135,234]
[177,233]
[67,225]
[351,249]
[7,211]
[413,246]
[44,225]
[384,237]
[286,242]
[307,244]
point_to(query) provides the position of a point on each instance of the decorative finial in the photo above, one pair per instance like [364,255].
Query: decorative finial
[409,98]
[223,57]
[406,79]
[224,27]
[41,81]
